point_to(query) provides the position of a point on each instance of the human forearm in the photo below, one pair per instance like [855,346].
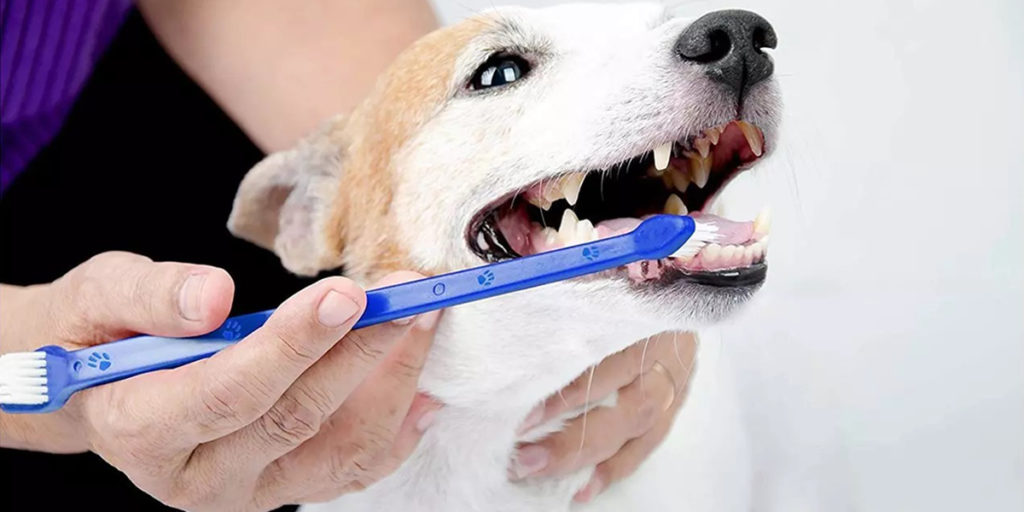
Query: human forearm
[279,68]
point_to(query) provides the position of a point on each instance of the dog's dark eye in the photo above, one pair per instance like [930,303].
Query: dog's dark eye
[499,70]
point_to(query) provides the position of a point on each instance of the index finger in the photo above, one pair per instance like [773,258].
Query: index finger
[239,384]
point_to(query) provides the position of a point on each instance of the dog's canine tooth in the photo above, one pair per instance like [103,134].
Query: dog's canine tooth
[680,180]
[675,206]
[567,229]
[481,241]
[763,223]
[654,172]
[753,137]
[571,185]
[700,170]
[661,155]
[703,146]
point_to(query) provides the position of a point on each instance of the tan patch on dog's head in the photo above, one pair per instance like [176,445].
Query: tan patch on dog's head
[328,201]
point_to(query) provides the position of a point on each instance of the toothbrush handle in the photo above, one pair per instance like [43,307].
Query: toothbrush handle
[131,356]
[655,238]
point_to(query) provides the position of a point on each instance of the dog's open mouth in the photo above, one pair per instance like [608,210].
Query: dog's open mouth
[681,178]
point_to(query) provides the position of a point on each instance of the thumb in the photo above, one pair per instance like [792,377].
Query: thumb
[117,294]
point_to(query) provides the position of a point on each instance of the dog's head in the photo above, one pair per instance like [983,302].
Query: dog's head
[519,131]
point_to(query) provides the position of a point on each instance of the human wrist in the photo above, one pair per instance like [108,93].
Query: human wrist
[21,308]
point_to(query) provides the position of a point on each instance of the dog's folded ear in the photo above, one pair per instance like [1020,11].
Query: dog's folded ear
[285,203]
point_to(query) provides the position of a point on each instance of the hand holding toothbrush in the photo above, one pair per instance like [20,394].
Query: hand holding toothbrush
[224,433]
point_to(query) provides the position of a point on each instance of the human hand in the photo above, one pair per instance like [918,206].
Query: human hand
[651,379]
[288,414]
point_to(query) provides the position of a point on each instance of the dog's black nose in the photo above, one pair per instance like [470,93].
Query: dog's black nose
[729,45]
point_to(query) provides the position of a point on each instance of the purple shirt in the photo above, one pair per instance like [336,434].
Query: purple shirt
[49,48]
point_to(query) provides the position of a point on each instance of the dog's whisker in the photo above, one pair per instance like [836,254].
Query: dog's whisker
[643,356]
[586,410]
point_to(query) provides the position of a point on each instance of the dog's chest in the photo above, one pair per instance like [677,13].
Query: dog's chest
[461,463]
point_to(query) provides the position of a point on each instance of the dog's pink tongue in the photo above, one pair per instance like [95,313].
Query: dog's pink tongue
[729,232]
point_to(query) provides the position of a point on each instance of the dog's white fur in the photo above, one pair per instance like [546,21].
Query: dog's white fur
[606,86]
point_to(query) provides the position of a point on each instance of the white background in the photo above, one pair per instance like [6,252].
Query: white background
[883,365]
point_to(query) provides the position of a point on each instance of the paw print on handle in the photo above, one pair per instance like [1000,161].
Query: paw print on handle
[232,330]
[591,253]
[485,278]
[100,360]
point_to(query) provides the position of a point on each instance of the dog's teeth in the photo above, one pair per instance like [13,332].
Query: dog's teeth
[680,180]
[571,185]
[700,170]
[757,250]
[703,146]
[753,136]
[567,229]
[764,243]
[711,253]
[674,206]
[748,256]
[553,190]
[540,202]
[763,223]
[728,253]
[585,232]
[481,241]
[713,134]
[550,236]
[654,172]
[661,155]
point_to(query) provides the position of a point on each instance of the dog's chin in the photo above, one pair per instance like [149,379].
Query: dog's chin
[684,304]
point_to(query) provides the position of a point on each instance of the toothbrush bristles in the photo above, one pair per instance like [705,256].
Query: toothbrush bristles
[23,378]
[702,235]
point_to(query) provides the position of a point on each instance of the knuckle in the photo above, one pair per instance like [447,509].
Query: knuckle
[354,465]
[226,402]
[407,369]
[361,348]
[646,416]
[290,422]
[291,348]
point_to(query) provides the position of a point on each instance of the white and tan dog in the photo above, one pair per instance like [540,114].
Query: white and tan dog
[582,117]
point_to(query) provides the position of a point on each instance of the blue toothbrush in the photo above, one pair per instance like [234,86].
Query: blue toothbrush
[43,380]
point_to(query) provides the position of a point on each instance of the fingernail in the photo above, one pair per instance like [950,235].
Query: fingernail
[335,309]
[529,460]
[428,320]
[426,420]
[190,296]
[405,320]
[532,420]
[587,493]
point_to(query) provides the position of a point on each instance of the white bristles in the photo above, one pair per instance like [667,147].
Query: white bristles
[23,378]
[702,235]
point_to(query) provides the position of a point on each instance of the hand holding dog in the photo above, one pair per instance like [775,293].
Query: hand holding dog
[651,379]
[288,414]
